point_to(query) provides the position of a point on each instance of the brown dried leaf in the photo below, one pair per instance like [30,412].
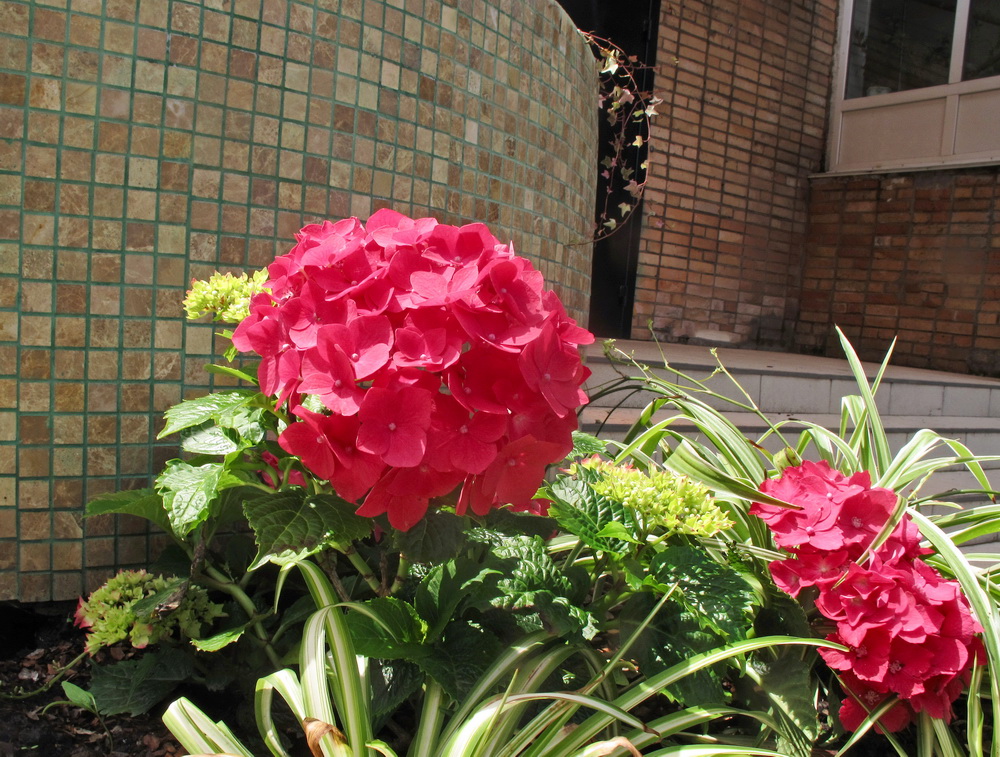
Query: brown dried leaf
[316,730]
[607,747]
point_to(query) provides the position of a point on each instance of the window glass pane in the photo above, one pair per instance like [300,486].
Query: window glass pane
[982,43]
[900,44]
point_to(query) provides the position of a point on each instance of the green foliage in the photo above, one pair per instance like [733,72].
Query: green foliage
[145,609]
[135,686]
[290,525]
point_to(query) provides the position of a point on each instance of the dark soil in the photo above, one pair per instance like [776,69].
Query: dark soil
[36,642]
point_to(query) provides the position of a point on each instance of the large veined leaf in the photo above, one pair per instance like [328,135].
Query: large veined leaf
[134,686]
[784,678]
[459,659]
[289,525]
[671,637]
[189,492]
[387,628]
[144,503]
[435,538]
[197,411]
[533,581]
[444,588]
[713,592]
[210,439]
[392,683]
[584,513]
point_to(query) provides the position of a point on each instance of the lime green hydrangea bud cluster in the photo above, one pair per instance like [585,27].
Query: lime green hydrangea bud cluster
[662,498]
[112,615]
[225,296]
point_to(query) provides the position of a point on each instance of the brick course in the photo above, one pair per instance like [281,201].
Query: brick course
[745,85]
[906,256]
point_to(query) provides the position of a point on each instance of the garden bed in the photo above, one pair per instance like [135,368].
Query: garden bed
[35,643]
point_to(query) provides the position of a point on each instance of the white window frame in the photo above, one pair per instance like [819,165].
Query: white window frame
[870,134]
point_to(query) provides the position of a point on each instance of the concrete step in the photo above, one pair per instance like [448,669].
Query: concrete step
[787,388]
[783,383]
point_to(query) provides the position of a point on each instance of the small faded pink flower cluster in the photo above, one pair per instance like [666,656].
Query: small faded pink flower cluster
[441,359]
[909,630]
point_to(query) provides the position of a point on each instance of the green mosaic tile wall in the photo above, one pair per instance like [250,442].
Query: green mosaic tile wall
[145,143]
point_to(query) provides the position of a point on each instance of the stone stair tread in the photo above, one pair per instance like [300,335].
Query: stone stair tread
[760,362]
[892,423]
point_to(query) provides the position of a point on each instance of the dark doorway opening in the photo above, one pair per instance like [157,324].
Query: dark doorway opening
[633,26]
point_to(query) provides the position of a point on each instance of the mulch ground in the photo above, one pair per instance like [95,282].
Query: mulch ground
[36,642]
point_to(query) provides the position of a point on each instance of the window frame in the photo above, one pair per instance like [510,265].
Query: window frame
[945,98]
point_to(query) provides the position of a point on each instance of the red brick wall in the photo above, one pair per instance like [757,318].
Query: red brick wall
[745,85]
[913,256]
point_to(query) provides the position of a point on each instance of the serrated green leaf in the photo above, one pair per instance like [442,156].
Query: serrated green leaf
[581,511]
[436,538]
[144,503]
[715,594]
[189,492]
[203,409]
[135,686]
[220,640]
[786,682]
[392,682]
[459,659]
[585,445]
[531,580]
[209,439]
[616,530]
[387,628]
[290,525]
[444,588]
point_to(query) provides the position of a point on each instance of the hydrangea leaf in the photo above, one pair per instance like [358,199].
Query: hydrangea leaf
[532,581]
[585,445]
[715,594]
[190,491]
[144,503]
[209,439]
[288,525]
[584,513]
[201,410]
[387,628]
[135,686]
[221,639]
[435,538]
[460,658]
[674,635]
[392,683]
[444,588]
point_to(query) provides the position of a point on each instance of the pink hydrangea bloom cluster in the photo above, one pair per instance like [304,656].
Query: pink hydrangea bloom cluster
[441,360]
[909,631]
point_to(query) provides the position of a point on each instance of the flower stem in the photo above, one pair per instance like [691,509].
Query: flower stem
[218,580]
[402,571]
[364,570]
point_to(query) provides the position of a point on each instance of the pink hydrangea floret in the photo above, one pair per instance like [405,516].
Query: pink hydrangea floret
[442,362]
[908,630]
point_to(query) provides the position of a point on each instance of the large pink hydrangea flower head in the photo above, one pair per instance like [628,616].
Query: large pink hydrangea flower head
[909,632]
[439,358]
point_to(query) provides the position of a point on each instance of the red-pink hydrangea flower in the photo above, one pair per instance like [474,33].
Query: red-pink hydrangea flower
[440,358]
[908,630]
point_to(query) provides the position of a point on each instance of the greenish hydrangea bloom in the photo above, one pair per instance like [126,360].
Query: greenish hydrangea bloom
[662,498]
[225,296]
[110,616]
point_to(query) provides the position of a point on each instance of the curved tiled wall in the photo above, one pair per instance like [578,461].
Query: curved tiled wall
[146,143]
